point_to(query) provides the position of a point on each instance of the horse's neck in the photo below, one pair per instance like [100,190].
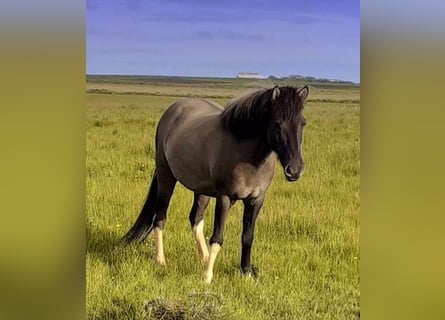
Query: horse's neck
[252,139]
[257,150]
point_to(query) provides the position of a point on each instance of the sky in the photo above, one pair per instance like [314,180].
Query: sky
[318,38]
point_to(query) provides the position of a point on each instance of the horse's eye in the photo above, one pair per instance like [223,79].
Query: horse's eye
[303,123]
[277,126]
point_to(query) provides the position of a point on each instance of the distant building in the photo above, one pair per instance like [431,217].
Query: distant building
[296,76]
[248,75]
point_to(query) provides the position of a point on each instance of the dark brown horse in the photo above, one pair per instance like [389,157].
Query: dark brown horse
[228,154]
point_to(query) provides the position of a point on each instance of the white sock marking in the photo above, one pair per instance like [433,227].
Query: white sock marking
[201,246]
[208,272]
[160,258]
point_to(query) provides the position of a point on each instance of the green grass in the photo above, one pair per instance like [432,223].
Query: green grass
[306,242]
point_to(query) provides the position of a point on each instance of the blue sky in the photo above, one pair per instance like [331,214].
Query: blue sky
[221,38]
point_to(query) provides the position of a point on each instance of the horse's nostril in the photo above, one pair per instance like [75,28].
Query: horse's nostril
[288,171]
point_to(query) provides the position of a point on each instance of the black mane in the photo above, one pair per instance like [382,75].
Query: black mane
[250,115]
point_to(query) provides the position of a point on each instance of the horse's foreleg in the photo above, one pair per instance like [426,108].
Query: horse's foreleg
[165,191]
[196,218]
[223,204]
[251,210]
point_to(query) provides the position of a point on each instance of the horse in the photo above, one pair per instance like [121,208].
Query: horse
[225,153]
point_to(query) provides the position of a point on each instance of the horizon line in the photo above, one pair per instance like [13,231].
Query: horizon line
[212,76]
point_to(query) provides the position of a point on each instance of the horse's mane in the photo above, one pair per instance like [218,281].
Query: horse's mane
[252,113]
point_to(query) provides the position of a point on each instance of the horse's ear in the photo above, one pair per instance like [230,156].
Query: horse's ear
[303,93]
[275,93]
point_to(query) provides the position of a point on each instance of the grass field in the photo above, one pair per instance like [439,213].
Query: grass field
[306,243]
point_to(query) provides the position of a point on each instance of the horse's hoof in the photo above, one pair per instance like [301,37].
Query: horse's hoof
[160,261]
[207,276]
[252,271]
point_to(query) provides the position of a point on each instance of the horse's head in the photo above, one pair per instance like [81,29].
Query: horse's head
[285,130]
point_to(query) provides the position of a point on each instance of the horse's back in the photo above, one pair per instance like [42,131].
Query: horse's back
[185,111]
[190,108]
[185,135]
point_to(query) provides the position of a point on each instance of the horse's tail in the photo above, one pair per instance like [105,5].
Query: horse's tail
[144,223]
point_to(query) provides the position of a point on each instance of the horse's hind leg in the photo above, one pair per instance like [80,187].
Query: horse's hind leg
[166,185]
[196,218]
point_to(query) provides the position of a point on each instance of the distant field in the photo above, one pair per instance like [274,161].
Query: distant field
[214,87]
[307,237]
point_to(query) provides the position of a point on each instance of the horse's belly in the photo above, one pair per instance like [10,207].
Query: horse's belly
[190,168]
[195,181]
[200,188]
[190,152]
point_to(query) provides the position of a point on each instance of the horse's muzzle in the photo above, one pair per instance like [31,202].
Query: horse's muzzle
[291,174]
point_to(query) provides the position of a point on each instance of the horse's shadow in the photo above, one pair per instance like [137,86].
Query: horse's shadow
[108,246]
